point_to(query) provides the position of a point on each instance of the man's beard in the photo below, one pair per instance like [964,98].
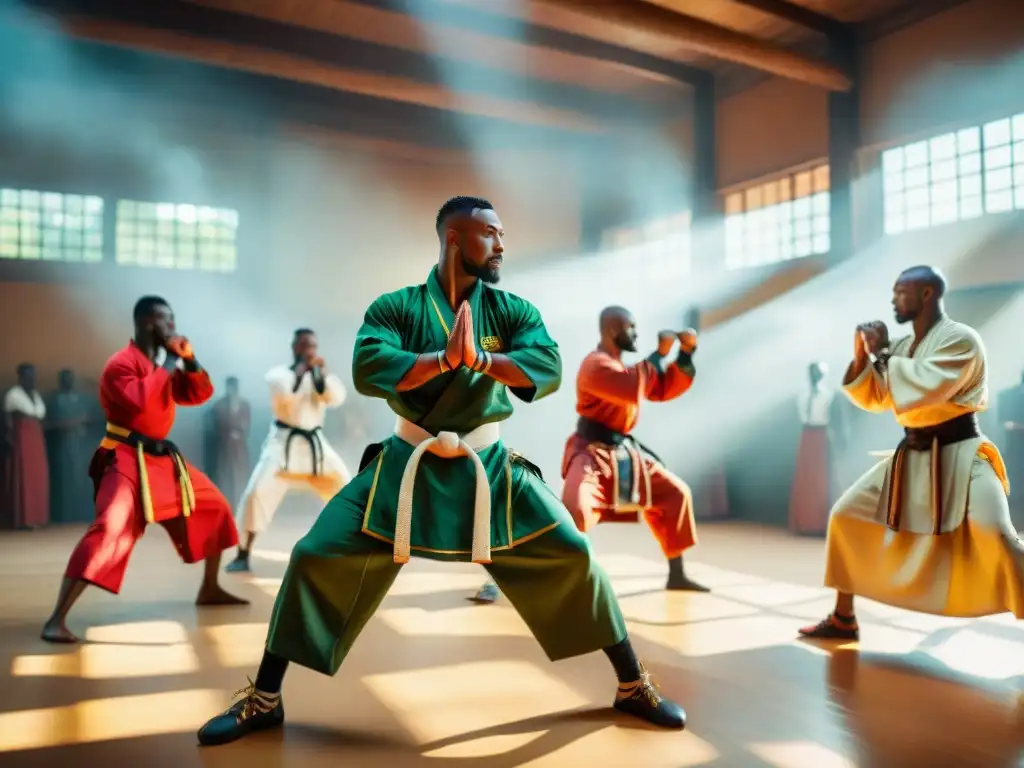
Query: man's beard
[483,272]
[626,343]
[905,317]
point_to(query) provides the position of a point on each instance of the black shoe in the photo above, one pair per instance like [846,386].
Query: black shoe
[832,627]
[239,565]
[255,711]
[642,699]
[684,584]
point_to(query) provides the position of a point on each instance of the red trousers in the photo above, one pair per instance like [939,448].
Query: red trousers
[589,493]
[102,555]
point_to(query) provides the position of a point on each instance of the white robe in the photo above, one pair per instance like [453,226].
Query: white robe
[272,478]
[975,566]
[815,406]
[17,400]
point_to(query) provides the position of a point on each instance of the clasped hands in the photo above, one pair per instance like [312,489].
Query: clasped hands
[870,339]
[179,346]
[687,341]
[308,364]
[461,348]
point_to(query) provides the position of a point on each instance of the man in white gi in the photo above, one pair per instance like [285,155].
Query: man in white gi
[929,529]
[295,453]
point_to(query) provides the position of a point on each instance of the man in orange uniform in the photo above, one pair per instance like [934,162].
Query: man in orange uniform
[140,477]
[609,475]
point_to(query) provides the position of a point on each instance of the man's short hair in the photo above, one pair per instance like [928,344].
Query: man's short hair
[146,306]
[461,205]
[928,276]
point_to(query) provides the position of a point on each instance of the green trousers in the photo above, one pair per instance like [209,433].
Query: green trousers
[338,576]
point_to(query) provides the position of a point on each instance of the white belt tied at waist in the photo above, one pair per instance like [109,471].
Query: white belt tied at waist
[447,445]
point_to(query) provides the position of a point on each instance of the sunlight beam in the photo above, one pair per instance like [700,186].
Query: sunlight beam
[124,717]
[446,701]
[110,662]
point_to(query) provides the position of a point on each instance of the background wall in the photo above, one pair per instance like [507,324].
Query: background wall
[960,67]
[771,127]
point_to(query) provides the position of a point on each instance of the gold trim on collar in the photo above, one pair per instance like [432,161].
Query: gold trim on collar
[440,317]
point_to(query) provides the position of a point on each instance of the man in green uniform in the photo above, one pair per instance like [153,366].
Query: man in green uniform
[444,355]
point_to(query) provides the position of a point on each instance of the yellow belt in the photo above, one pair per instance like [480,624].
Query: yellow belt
[127,437]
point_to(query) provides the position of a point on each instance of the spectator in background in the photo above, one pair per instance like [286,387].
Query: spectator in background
[26,474]
[69,451]
[230,462]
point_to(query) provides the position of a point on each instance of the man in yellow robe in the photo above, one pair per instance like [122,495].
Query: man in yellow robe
[929,529]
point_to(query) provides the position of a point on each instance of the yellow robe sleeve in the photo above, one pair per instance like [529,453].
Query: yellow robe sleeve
[868,391]
[937,375]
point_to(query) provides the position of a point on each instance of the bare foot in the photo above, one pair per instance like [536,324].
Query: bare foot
[216,595]
[56,632]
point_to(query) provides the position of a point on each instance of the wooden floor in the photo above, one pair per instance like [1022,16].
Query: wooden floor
[435,680]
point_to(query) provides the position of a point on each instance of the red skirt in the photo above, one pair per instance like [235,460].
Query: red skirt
[27,476]
[810,499]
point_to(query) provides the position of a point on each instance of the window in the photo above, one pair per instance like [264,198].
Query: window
[784,219]
[955,176]
[50,226]
[176,236]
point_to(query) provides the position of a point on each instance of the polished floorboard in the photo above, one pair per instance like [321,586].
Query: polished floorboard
[437,681]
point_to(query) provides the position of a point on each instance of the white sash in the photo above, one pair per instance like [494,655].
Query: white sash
[448,445]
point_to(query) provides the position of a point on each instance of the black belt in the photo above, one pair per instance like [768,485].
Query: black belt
[927,439]
[596,432]
[311,436]
[147,445]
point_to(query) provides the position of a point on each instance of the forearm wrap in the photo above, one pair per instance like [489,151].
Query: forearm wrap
[483,361]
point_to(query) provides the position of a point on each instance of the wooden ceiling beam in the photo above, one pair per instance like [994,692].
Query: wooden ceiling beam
[271,48]
[362,82]
[387,25]
[175,89]
[801,16]
[666,34]
[490,17]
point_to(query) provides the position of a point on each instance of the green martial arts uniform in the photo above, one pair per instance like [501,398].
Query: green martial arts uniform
[340,571]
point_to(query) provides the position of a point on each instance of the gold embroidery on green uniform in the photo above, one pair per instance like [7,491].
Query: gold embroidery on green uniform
[440,317]
[490,344]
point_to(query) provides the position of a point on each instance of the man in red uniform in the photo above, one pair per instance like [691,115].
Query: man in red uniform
[140,477]
[609,475]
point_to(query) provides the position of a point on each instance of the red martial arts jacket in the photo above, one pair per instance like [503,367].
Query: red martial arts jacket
[609,393]
[140,397]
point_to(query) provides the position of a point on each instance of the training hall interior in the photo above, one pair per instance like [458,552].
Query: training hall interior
[758,170]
